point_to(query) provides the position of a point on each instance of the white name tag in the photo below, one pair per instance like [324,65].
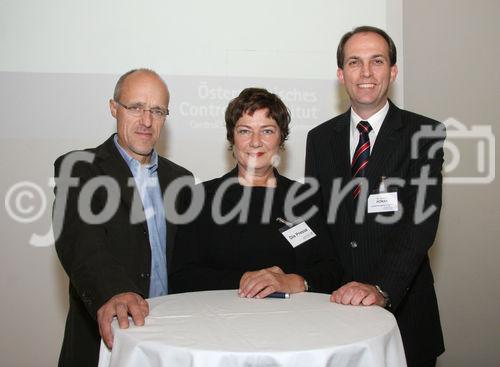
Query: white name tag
[384,202]
[298,234]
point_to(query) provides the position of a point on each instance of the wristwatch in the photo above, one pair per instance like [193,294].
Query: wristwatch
[384,294]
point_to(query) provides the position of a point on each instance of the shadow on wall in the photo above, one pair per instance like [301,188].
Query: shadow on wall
[61,286]
[162,145]
[341,99]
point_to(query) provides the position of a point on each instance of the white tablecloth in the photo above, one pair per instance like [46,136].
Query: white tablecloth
[218,328]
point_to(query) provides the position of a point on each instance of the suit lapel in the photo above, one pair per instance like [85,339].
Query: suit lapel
[340,155]
[388,140]
[165,178]
[112,164]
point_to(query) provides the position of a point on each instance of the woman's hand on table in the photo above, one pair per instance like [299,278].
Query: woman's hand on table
[261,283]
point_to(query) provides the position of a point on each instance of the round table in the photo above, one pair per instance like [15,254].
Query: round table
[218,328]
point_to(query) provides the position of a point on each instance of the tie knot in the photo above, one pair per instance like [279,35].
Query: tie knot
[364,127]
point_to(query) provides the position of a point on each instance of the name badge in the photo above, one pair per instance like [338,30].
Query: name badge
[383,202]
[298,234]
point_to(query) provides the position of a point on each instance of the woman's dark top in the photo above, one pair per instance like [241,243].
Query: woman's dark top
[210,256]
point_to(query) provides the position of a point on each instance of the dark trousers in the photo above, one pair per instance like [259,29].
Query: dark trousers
[431,363]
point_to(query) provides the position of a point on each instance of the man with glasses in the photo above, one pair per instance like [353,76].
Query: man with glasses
[116,262]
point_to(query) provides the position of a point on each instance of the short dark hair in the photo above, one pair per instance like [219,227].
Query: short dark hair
[121,80]
[366,29]
[251,100]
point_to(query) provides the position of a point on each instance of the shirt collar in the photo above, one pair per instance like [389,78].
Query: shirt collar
[152,166]
[375,120]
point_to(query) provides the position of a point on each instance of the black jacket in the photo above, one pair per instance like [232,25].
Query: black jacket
[392,256]
[101,260]
[211,256]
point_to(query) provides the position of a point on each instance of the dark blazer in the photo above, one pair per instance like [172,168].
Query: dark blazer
[391,256]
[102,260]
[211,256]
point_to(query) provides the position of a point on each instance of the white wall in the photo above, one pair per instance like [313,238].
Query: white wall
[451,54]
[59,62]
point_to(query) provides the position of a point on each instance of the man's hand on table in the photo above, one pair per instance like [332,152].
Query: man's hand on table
[261,283]
[354,293]
[121,306]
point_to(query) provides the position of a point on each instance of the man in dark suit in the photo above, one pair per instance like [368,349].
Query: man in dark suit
[379,171]
[112,229]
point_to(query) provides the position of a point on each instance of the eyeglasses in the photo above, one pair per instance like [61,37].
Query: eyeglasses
[138,110]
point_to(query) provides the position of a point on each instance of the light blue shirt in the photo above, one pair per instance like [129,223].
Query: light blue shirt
[146,181]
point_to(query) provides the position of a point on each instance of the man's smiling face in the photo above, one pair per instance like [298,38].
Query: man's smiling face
[367,72]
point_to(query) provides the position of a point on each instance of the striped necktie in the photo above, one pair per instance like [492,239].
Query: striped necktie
[361,154]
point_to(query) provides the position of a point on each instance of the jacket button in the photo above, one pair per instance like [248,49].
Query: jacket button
[144,275]
[353,244]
